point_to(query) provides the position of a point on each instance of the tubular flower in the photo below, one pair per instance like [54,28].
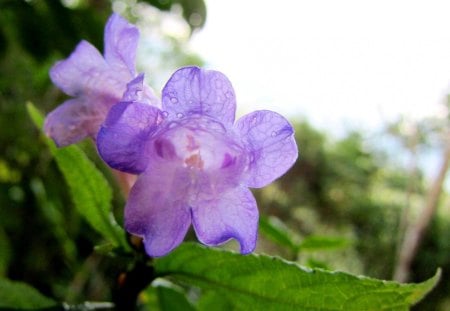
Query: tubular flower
[94,81]
[195,163]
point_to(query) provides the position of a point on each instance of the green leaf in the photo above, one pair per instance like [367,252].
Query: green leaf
[313,263]
[275,230]
[212,301]
[105,249]
[18,295]
[318,243]
[173,299]
[35,115]
[257,282]
[89,189]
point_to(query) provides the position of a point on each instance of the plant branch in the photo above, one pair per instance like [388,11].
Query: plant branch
[415,232]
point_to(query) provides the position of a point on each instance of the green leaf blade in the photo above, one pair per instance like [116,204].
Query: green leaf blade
[19,295]
[171,299]
[260,282]
[273,229]
[319,243]
[89,189]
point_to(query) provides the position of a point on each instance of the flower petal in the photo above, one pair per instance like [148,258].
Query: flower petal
[156,210]
[192,90]
[140,92]
[74,74]
[269,140]
[74,120]
[123,136]
[121,41]
[233,214]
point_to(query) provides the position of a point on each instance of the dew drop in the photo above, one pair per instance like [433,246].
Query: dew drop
[274,133]
[165,114]
[174,100]
[179,115]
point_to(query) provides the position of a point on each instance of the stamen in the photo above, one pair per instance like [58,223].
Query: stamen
[194,161]
[191,143]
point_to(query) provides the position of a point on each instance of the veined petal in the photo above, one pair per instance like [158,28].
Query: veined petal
[96,83]
[156,210]
[123,136]
[140,92]
[74,120]
[192,90]
[233,214]
[121,41]
[269,140]
[75,74]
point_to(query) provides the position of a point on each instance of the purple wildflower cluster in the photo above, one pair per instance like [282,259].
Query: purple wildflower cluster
[194,162]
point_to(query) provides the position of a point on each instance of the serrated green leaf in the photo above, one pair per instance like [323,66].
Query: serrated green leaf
[18,295]
[90,192]
[258,282]
[318,243]
[89,189]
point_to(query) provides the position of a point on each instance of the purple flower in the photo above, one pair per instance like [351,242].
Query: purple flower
[195,162]
[94,81]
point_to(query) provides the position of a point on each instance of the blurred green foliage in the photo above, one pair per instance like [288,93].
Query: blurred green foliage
[339,207]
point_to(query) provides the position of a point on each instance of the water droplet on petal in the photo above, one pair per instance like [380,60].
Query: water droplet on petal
[179,115]
[174,100]
[274,133]
[165,114]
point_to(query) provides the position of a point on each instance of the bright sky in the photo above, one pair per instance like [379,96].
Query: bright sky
[339,63]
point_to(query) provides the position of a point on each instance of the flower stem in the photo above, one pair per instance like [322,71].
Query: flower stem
[131,283]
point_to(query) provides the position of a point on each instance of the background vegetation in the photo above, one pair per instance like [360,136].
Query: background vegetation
[349,203]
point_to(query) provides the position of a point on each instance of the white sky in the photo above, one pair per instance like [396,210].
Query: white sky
[338,63]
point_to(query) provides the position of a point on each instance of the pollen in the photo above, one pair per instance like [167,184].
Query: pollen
[194,161]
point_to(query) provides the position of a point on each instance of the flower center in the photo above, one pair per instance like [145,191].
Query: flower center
[194,161]
[201,145]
